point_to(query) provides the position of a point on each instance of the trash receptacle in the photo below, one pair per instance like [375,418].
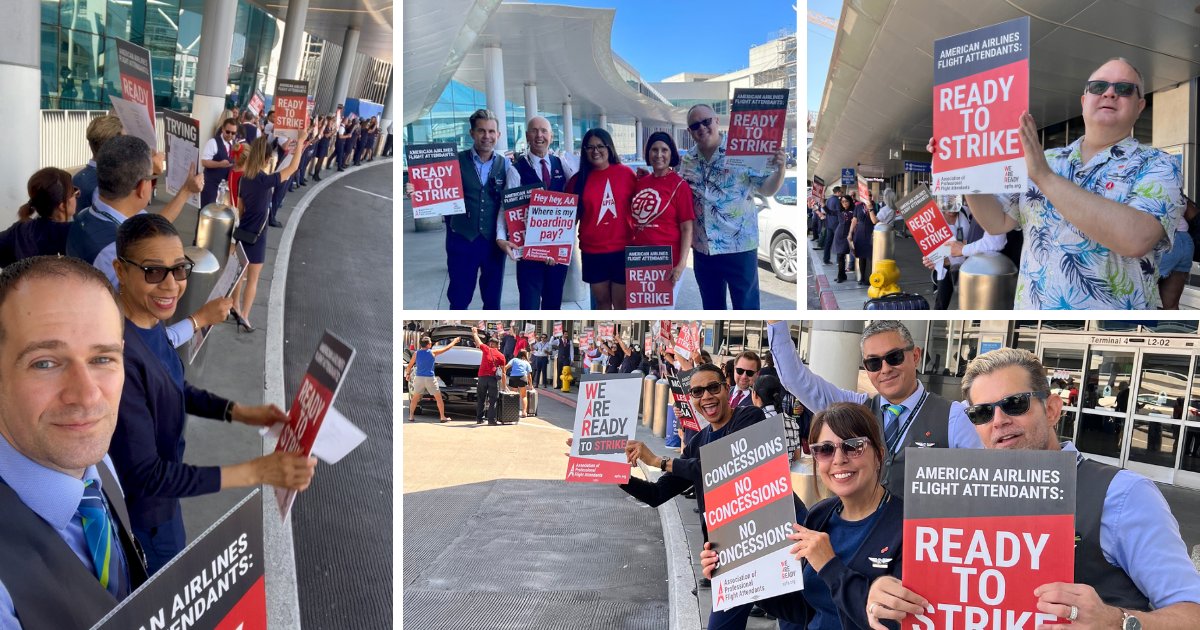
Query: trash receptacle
[200,283]
[648,399]
[987,281]
[662,398]
[883,244]
[214,231]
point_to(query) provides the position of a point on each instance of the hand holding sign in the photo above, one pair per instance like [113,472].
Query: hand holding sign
[888,599]
[811,545]
[1036,166]
[1061,599]
[259,415]
[285,470]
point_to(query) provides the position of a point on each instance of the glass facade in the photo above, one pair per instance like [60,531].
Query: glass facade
[79,67]
[447,121]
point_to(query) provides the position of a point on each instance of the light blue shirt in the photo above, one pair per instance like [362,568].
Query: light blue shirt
[1140,536]
[817,393]
[180,332]
[519,367]
[482,168]
[54,497]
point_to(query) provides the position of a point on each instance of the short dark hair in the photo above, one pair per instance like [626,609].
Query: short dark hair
[36,267]
[709,367]
[121,164]
[664,137]
[483,114]
[849,420]
[751,355]
[770,391]
[141,227]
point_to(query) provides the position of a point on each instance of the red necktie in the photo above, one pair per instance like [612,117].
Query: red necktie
[545,172]
[737,398]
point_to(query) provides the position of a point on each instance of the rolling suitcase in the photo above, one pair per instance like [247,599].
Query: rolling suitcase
[898,302]
[510,408]
[531,402]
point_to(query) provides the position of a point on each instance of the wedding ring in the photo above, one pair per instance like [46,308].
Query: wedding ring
[871,608]
[1074,613]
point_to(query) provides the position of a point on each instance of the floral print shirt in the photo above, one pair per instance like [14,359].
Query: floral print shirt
[1063,269]
[724,203]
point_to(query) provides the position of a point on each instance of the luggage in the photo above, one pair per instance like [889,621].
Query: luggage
[510,408]
[531,402]
[898,302]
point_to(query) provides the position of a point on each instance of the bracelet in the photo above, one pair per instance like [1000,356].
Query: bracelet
[228,416]
[195,324]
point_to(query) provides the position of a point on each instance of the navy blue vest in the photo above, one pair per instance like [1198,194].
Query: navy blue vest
[558,177]
[91,231]
[483,199]
[214,176]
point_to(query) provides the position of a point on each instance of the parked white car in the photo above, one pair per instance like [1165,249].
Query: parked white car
[779,221]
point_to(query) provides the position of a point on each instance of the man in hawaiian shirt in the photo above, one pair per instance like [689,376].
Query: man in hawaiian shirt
[725,245]
[1099,214]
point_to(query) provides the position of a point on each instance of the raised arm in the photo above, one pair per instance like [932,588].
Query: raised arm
[813,391]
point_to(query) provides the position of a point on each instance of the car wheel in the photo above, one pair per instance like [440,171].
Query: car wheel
[784,257]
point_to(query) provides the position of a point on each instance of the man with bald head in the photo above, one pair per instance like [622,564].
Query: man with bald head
[1098,214]
[725,241]
[540,283]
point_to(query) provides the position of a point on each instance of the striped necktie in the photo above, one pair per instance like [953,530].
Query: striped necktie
[891,421]
[98,530]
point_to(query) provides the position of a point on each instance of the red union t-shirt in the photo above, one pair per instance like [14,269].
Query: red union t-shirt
[490,360]
[604,226]
[658,207]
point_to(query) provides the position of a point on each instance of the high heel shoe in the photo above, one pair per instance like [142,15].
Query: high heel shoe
[242,324]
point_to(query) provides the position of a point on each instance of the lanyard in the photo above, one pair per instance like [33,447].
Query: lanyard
[893,446]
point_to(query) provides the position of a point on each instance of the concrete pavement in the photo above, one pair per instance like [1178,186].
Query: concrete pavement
[426,278]
[848,295]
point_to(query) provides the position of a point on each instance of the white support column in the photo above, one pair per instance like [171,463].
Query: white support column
[531,104]
[341,84]
[293,40]
[493,80]
[836,343]
[212,68]
[21,77]
[386,117]
[568,123]
[638,137]
[604,122]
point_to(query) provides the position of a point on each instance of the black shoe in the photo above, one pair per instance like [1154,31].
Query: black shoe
[274,223]
[863,284]
[696,510]
[303,183]
[493,423]
[317,177]
[705,583]
[478,421]
[755,611]
[690,493]
[840,280]
[341,170]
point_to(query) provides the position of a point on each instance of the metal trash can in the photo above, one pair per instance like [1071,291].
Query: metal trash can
[648,399]
[662,398]
[987,281]
[214,231]
[200,284]
[883,244]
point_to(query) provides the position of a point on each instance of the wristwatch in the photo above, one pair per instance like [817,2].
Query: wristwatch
[1129,622]
[662,465]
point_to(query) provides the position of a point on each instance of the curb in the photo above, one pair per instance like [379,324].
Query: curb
[828,299]
[556,396]
[283,601]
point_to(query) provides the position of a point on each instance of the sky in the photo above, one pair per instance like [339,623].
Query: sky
[820,49]
[655,36]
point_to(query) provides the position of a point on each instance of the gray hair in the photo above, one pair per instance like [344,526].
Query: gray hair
[484,114]
[889,198]
[996,360]
[122,163]
[884,326]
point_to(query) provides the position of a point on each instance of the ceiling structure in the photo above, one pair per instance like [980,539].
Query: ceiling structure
[329,19]
[879,91]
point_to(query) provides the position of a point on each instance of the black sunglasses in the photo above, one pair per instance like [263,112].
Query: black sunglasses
[741,371]
[1015,405]
[157,274]
[713,388]
[707,122]
[1122,88]
[853,448]
[893,358]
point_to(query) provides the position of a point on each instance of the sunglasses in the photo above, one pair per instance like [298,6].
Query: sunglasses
[157,274]
[707,122]
[713,388]
[852,448]
[1122,88]
[1015,405]
[742,371]
[893,358]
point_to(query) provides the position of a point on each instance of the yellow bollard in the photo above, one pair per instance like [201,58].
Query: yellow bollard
[884,280]
[566,378]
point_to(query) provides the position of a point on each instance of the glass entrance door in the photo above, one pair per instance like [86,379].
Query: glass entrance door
[1105,404]
[1064,373]
[1158,408]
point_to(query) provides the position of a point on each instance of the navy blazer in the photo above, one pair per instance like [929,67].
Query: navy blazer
[147,447]
[849,579]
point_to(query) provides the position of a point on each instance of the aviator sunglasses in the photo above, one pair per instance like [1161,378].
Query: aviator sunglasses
[893,358]
[156,274]
[1015,405]
[1122,88]
[853,448]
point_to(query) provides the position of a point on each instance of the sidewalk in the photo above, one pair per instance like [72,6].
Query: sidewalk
[914,278]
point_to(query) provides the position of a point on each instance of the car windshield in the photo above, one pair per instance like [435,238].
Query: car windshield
[463,342]
[787,192]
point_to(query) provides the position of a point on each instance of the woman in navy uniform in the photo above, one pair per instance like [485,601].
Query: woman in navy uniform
[45,220]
